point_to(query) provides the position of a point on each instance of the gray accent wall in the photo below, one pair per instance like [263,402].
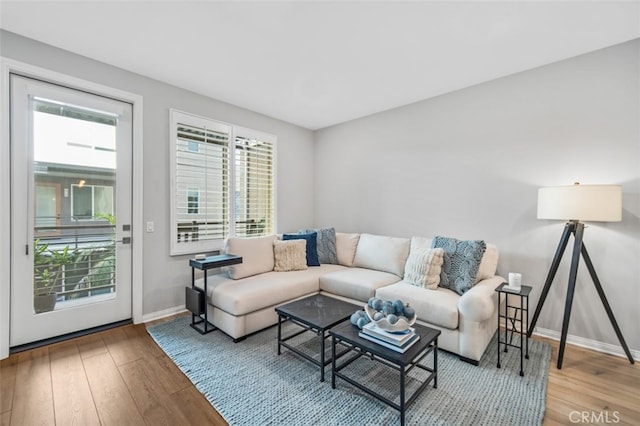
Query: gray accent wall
[164,276]
[468,165]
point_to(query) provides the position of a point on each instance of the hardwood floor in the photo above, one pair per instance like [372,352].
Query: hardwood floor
[121,377]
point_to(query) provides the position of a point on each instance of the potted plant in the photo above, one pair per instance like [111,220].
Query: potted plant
[48,269]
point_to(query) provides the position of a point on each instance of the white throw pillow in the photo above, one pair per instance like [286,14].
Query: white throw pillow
[423,267]
[346,245]
[290,255]
[387,254]
[257,256]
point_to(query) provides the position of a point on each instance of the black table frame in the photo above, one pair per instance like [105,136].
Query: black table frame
[308,326]
[510,322]
[401,362]
[202,325]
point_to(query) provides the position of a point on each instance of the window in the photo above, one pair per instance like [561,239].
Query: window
[90,201]
[222,183]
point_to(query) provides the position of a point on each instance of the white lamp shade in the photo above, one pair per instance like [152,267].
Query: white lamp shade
[589,203]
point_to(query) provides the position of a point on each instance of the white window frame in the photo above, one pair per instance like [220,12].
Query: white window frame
[205,246]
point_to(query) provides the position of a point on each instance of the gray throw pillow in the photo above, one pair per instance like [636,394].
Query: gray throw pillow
[326,246]
[461,262]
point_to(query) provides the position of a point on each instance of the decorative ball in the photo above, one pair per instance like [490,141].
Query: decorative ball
[361,322]
[399,306]
[378,316]
[409,312]
[392,319]
[377,304]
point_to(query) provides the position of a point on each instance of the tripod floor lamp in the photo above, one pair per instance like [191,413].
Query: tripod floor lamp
[577,203]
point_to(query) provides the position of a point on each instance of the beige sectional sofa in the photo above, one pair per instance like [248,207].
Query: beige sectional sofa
[242,298]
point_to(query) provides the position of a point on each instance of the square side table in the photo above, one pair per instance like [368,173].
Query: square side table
[196,299]
[510,321]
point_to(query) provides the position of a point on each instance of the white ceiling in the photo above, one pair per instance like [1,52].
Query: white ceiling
[316,64]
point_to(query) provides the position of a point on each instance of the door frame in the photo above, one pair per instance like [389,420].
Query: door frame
[8,66]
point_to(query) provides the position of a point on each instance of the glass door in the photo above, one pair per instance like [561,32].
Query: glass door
[70,210]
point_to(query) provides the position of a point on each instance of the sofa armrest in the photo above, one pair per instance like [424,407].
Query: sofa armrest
[481,301]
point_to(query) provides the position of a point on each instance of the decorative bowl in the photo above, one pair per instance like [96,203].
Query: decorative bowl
[401,326]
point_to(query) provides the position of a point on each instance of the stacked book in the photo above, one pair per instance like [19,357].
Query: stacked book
[398,342]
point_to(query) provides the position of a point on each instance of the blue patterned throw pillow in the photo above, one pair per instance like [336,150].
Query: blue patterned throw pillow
[312,246]
[327,252]
[461,262]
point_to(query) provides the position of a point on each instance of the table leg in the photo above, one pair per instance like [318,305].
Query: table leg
[521,334]
[435,363]
[527,329]
[333,362]
[279,332]
[498,332]
[402,407]
[321,334]
[506,319]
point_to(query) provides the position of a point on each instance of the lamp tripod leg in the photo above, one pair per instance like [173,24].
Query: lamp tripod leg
[578,232]
[605,303]
[562,245]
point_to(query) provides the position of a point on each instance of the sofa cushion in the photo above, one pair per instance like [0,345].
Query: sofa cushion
[489,263]
[256,252]
[438,307]
[421,243]
[312,246]
[241,297]
[387,254]
[289,255]
[356,283]
[461,262]
[326,244]
[423,267]
[346,245]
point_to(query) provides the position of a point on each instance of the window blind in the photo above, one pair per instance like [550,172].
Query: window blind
[254,185]
[201,182]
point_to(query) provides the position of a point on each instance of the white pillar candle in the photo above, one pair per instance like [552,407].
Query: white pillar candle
[515,280]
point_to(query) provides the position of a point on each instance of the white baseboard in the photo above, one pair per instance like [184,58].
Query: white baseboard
[163,313]
[587,343]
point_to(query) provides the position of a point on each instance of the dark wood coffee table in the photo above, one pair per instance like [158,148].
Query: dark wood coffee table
[317,314]
[347,335]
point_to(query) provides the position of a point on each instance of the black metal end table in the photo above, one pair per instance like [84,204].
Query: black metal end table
[196,298]
[510,321]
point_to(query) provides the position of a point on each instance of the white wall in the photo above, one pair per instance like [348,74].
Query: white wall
[468,165]
[165,277]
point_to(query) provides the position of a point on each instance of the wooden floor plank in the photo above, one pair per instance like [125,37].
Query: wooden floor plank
[169,376]
[91,345]
[152,400]
[5,418]
[33,395]
[73,401]
[121,347]
[197,409]
[143,338]
[113,401]
[8,369]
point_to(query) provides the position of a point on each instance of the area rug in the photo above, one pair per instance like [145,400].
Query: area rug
[249,384]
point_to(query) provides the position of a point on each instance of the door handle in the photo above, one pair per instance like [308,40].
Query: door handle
[124,240]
